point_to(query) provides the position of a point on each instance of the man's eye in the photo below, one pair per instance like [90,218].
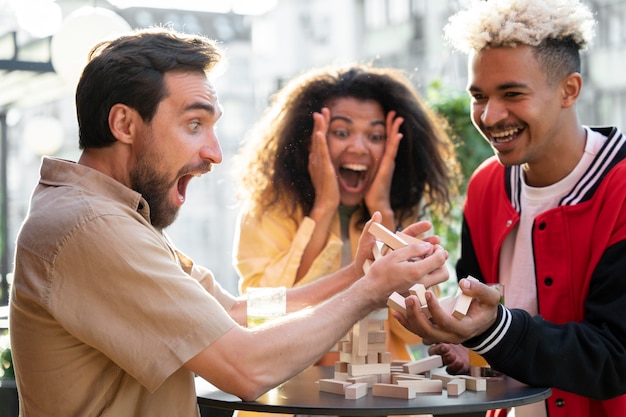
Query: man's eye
[193,126]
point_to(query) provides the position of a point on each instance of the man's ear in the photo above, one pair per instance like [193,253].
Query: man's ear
[571,87]
[123,122]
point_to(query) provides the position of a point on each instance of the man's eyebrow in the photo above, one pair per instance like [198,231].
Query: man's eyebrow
[210,108]
[501,87]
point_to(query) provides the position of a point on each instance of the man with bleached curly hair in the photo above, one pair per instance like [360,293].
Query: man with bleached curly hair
[545,216]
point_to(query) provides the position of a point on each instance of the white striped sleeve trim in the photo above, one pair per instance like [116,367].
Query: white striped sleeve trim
[496,336]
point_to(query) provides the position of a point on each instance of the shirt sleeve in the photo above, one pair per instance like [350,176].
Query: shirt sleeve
[268,251]
[131,300]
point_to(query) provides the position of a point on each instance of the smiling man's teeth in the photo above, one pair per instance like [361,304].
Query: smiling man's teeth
[504,136]
[354,167]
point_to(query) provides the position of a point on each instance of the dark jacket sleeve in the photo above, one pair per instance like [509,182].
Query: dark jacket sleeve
[587,358]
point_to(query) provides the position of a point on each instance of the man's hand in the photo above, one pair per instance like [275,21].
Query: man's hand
[443,327]
[455,357]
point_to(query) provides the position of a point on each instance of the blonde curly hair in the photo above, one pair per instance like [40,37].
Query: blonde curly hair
[509,23]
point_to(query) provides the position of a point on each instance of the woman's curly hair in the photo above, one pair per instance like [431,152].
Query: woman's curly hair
[272,165]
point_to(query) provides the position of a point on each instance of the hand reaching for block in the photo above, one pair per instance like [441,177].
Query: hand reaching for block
[457,305]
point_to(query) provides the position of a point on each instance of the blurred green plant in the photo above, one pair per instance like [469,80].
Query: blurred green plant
[6,365]
[454,106]
[471,150]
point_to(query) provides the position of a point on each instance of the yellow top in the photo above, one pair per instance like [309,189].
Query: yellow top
[267,252]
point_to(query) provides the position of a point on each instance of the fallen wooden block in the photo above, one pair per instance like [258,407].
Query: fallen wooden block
[393,391]
[444,378]
[369,380]
[473,383]
[423,365]
[400,376]
[368,369]
[423,386]
[355,391]
[456,387]
[333,386]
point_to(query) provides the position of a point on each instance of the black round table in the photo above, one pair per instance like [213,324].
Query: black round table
[300,395]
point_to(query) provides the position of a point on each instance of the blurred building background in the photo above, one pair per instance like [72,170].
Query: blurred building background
[267,42]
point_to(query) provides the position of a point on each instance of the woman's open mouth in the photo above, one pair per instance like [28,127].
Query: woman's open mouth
[353,177]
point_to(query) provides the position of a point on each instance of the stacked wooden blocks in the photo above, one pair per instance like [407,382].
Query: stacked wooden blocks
[365,364]
[356,373]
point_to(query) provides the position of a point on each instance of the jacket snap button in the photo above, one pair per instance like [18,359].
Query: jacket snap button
[560,402]
[542,225]
[548,281]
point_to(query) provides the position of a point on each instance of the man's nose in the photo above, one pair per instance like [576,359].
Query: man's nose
[493,112]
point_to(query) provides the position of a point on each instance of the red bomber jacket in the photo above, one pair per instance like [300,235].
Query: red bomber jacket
[577,343]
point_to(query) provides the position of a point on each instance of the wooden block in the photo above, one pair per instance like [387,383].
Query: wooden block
[376,252]
[423,386]
[379,336]
[341,367]
[384,357]
[447,303]
[367,379]
[401,376]
[371,357]
[345,346]
[386,236]
[393,391]
[376,347]
[385,378]
[376,325]
[367,264]
[359,338]
[444,378]
[408,238]
[461,305]
[474,384]
[333,386]
[340,376]
[456,387]
[396,301]
[355,391]
[350,358]
[423,365]
[368,369]
[420,291]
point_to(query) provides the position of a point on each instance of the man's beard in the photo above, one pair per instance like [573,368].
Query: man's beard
[154,188]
